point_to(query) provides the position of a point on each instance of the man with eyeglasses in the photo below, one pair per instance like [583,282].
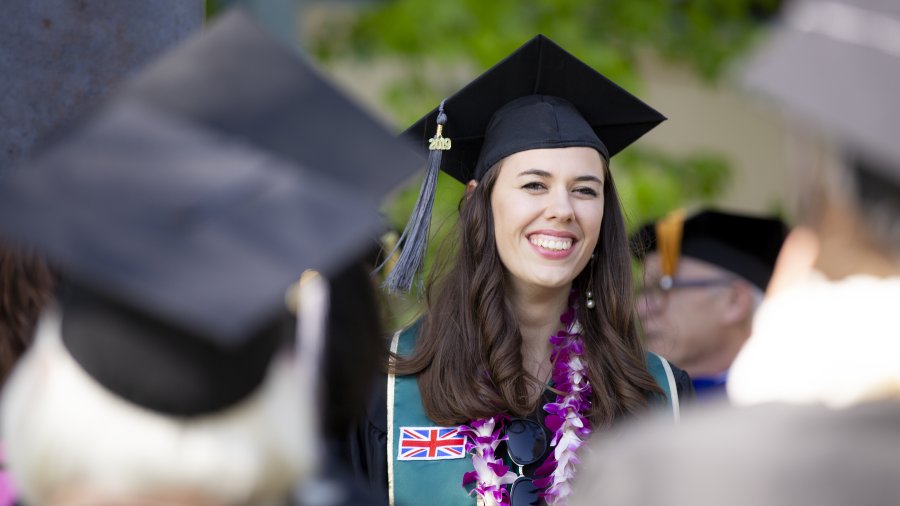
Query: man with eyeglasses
[703,278]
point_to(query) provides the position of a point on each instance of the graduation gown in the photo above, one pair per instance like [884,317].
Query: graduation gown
[367,444]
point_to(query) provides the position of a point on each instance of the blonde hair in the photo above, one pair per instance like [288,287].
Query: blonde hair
[62,429]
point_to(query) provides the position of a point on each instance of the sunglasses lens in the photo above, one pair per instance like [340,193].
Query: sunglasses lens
[527,441]
[524,493]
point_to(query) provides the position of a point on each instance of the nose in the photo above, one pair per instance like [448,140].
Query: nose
[559,206]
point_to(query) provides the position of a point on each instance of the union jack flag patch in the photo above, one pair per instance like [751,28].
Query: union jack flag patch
[431,443]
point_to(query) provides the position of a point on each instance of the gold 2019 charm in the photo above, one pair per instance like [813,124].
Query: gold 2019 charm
[439,142]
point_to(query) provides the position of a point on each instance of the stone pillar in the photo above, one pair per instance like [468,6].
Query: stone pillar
[58,57]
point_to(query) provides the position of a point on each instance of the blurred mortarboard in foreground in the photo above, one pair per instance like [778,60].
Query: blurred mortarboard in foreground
[200,230]
[242,82]
[181,233]
[837,64]
[745,245]
[225,167]
[540,96]
[201,234]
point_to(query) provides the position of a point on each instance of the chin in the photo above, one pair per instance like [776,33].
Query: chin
[660,345]
[552,281]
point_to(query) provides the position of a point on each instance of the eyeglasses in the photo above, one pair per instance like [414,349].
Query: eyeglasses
[655,293]
[666,284]
[526,443]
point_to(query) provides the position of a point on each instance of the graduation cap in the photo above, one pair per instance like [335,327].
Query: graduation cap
[745,245]
[837,64]
[182,233]
[239,80]
[540,96]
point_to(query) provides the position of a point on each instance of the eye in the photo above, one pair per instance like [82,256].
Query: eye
[534,186]
[586,190]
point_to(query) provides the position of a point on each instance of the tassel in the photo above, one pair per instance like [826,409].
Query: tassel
[414,240]
[668,240]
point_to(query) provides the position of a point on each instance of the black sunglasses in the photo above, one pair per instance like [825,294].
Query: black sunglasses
[526,443]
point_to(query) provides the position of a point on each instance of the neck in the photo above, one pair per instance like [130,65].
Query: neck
[538,311]
[721,357]
[847,248]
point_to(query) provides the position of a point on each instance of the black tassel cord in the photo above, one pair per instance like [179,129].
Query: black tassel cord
[414,240]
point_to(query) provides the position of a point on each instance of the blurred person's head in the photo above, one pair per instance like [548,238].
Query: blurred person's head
[26,286]
[849,210]
[832,69]
[84,420]
[178,226]
[773,454]
[703,279]
[826,334]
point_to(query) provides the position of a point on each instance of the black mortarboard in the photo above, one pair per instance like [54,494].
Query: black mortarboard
[745,245]
[484,123]
[182,233]
[540,96]
[837,63]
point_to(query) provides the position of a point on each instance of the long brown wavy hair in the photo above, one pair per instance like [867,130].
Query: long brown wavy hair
[26,286]
[468,353]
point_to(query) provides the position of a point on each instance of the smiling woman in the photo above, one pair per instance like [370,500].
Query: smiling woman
[551,201]
[528,344]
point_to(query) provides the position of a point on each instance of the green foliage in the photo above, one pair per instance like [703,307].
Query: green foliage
[650,184]
[434,40]
[605,33]
[213,7]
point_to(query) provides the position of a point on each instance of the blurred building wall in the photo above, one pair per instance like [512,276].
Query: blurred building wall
[723,120]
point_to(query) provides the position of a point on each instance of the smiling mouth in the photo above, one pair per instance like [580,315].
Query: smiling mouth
[551,243]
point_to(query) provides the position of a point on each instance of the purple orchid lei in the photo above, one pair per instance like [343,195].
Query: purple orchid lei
[567,419]
[491,476]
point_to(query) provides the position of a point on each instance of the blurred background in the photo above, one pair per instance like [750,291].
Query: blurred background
[401,57]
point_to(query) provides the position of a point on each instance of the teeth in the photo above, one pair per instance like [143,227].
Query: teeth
[551,243]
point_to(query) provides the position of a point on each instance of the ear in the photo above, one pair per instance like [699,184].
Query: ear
[739,302]
[470,186]
[795,261]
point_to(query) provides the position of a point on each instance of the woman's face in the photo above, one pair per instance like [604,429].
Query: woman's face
[547,207]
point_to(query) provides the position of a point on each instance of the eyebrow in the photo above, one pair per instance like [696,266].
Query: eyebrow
[544,173]
[589,178]
[534,172]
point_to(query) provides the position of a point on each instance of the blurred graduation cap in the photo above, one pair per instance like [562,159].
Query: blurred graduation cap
[745,245]
[837,64]
[540,96]
[239,80]
[182,224]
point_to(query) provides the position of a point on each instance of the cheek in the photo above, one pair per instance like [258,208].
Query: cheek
[497,215]
[504,229]
[591,225]
[511,216]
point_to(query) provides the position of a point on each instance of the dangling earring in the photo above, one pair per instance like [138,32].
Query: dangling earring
[589,295]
